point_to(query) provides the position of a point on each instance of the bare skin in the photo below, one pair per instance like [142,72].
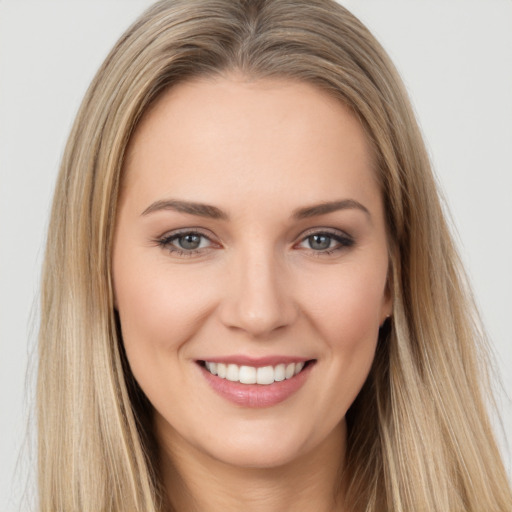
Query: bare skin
[312,482]
[224,250]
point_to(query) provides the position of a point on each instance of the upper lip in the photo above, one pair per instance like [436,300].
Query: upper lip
[242,360]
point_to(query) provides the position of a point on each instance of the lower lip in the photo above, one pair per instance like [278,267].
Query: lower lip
[257,395]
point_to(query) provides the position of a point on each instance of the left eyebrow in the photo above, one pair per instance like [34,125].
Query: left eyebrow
[199,209]
[332,206]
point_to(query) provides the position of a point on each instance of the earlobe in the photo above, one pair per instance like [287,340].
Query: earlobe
[387,307]
[384,321]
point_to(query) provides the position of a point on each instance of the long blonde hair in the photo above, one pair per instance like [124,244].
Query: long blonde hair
[419,437]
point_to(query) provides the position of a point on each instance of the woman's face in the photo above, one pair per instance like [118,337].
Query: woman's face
[250,240]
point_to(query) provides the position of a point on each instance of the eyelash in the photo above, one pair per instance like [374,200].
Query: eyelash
[166,242]
[343,240]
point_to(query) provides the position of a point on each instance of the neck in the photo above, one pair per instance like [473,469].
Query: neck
[195,482]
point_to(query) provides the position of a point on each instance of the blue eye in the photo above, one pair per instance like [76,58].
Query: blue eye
[320,242]
[326,242]
[190,241]
[185,243]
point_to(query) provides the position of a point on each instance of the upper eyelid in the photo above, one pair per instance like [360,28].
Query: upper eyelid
[186,231]
[325,230]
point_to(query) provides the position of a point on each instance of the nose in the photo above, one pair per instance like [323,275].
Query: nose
[258,297]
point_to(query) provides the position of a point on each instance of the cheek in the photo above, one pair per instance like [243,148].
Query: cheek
[346,309]
[348,305]
[159,307]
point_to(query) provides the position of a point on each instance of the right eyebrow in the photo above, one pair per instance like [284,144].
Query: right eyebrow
[199,209]
[329,207]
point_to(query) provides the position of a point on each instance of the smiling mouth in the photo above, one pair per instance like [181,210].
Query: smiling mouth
[263,375]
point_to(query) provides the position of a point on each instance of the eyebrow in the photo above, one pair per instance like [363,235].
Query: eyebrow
[199,209]
[212,212]
[329,207]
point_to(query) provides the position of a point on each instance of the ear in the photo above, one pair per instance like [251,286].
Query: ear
[387,305]
[387,299]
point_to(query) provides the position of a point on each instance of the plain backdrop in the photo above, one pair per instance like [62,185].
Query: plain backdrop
[455,57]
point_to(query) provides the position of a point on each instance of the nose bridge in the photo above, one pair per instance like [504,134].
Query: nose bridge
[256,299]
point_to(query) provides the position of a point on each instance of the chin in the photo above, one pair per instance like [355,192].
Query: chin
[263,449]
[254,457]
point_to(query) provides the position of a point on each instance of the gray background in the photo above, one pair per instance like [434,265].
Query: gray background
[455,57]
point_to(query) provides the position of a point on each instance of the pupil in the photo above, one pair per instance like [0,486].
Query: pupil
[190,241]
[319,242]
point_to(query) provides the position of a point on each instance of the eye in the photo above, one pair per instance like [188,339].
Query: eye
[326,242]
[320,242]
[185,243]
[190,241]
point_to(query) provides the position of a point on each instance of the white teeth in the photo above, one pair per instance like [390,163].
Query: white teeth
[247,375]
[221,370]
[279,372]
[250,375]
[212,367]
[265,375]
[232,372]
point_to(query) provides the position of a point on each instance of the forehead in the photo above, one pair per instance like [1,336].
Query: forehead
[235,136]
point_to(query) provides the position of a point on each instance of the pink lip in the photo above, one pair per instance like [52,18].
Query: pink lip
[256,395]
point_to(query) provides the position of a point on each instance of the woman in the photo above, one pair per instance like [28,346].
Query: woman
[250,297]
